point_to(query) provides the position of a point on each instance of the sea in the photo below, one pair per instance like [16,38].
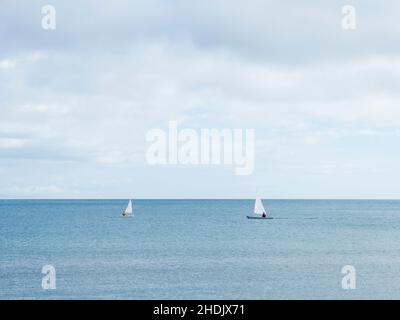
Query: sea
[200,249]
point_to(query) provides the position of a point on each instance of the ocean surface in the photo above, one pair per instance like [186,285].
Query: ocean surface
[199,249]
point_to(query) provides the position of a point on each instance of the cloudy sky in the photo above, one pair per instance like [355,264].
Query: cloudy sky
[76,102]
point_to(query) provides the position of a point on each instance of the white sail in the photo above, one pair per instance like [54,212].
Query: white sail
[259,207]
[129,209]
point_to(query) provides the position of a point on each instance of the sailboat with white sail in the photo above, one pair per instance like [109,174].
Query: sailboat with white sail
[128,212]
[259,211]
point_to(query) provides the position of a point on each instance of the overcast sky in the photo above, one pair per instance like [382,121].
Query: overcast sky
[76,102]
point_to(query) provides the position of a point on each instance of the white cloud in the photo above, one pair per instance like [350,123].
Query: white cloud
[90,91]
[10,63]
[31,190]
[8,143]
[7,63]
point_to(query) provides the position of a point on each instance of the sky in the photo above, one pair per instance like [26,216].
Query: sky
[77,102]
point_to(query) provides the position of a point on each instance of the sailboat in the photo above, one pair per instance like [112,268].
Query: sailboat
[129,210]
[259,211]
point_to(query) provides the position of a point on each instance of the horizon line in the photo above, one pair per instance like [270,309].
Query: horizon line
[266,198]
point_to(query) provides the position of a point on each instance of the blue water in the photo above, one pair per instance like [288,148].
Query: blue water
[199,249]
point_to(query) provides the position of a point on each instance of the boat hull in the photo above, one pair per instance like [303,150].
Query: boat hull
[126,215]
[267,218]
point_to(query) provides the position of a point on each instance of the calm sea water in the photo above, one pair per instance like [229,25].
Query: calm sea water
[199,249]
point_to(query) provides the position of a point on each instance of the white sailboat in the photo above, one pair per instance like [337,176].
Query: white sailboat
[129,210]
[259,211]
